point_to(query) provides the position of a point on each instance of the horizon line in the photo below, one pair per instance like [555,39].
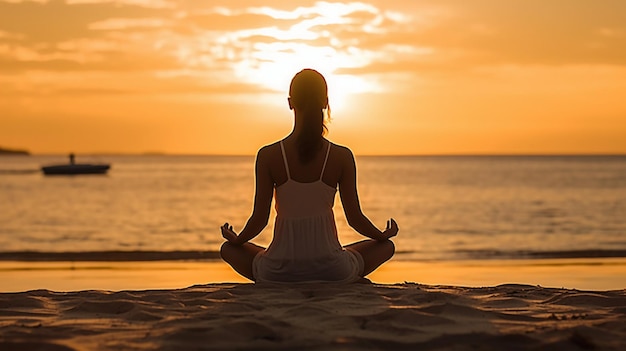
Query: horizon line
[533,154]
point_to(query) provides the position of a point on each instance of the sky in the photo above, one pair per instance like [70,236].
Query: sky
[405,77]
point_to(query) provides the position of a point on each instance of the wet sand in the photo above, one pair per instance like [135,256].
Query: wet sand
[584,274]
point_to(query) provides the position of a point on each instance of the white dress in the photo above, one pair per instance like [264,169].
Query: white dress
[305,246]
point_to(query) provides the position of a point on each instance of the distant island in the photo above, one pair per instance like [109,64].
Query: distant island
[4,151]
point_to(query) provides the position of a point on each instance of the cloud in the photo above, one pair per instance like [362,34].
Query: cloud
[10,36]
[217,20]
[324,35]
[24,1]
[531,32]
[264,42]
[155,4]
[57,21]
[128,23]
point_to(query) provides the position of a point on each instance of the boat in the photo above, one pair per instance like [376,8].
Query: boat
[75,168]
[80,168]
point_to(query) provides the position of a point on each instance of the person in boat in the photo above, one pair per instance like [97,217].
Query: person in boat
[303,171]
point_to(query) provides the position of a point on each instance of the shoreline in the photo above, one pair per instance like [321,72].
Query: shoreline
[598,274]
[204,255]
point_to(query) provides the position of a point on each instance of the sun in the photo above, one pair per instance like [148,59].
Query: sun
[274,65]
[270,56]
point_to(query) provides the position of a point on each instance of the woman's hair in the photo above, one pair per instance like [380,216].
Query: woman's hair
[309,96]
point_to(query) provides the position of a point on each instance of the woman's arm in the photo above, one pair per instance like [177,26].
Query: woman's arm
[264,189]
[352,207]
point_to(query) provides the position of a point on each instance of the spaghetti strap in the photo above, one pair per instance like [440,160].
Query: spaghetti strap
[325,160]
[282,149]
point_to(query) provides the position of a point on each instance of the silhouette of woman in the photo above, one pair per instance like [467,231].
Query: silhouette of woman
[304,171]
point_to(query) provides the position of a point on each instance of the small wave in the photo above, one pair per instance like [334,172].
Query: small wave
[108,256]
[138,256]
[529,254]
[18,171]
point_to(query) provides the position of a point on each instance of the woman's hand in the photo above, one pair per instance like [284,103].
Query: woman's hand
[228,233]
[391,230]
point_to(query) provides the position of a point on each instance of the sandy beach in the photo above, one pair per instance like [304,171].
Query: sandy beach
[315,316]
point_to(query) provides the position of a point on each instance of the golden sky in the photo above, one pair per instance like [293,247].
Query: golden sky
[405,77]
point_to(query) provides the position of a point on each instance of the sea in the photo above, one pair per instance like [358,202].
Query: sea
[447,207]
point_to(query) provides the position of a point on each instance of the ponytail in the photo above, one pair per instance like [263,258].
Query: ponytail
[310,138]
[309,94]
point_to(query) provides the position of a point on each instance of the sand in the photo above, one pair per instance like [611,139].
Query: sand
[315,316]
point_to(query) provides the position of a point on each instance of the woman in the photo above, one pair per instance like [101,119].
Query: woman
[305,170]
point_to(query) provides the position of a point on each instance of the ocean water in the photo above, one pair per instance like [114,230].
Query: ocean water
[447,207]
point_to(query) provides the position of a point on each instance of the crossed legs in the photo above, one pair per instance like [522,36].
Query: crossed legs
[240,257]
[374,254]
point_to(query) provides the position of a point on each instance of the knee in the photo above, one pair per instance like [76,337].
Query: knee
[387,248]
[225,250]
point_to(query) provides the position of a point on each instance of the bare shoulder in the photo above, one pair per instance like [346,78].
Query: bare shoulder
[269,158]
[267,151]
[343,153]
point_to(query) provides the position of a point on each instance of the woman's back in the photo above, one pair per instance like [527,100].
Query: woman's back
[305,246]
[298,199]
[303,173]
